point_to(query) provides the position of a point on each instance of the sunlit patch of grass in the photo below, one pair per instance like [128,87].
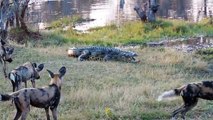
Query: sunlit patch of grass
[133,32]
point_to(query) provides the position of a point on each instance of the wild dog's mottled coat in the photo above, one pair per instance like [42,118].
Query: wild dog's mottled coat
[23,73]
[46,97]
[190,94]
[5,55]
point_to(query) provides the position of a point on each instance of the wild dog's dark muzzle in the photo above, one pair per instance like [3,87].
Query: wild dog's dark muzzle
[38,77]
[9,60]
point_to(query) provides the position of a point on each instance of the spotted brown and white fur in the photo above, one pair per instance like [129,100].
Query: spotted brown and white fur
[6,52]
[27,71]
[46,97]
[190,94]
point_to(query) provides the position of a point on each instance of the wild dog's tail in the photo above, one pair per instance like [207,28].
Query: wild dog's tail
[171,93]
[7,97]
[12,76]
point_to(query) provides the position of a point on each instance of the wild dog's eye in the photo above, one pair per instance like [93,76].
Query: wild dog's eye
[7,50]
[11,50]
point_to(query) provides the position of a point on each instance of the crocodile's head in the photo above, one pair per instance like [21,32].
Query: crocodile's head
[133,59]
[73,52]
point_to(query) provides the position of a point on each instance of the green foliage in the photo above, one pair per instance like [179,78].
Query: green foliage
[50,40]
[206,54]
[133,32]
[66,21]
[208,51]
[155,25]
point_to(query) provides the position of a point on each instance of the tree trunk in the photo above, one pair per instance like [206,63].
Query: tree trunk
[147,13]
[16,7]
[153,7]
[211,18]
[205,8]
[17,19]
[21,17]
[4,5]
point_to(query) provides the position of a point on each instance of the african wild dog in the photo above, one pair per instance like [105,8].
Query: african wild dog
[47,97]
[190,94]
[5,55]
[23,73]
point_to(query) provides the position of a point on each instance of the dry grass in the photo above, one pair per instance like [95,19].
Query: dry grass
[114,90]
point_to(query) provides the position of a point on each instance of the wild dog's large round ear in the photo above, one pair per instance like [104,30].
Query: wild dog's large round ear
[40,67]
[62,71]
[2,42]
[50,73]
[34,65]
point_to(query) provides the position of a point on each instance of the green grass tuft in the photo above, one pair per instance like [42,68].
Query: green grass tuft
[206,54]
[132,32]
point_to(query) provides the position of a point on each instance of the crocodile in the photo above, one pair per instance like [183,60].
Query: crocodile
[102,54]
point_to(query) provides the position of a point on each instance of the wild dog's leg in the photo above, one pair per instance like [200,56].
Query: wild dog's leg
[25,84]
[33,82]
[174,113]
[189,104]
[47,113]
[25,104]
[24,113]
[18,86]
[4,68]
[14,85]
[18,113]
[84,55]
[54,113]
